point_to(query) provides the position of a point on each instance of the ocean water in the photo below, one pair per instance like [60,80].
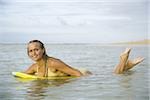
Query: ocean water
[97,58]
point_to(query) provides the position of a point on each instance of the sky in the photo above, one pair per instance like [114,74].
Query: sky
[73,21]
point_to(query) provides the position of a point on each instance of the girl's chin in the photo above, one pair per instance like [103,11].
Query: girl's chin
[35,59]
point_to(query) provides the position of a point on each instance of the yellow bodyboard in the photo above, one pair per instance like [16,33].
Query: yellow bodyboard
[28,76]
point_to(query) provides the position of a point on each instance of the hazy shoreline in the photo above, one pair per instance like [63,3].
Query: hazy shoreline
[142,42]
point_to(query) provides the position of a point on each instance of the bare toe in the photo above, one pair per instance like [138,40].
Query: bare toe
[125,54]
[137,60]
[127,50]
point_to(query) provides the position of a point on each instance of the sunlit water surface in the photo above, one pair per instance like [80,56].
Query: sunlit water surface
[99,59]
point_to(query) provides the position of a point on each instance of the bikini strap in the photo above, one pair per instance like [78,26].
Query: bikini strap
[46,68]
[37,69]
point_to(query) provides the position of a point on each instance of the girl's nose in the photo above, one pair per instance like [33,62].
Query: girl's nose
[33,53]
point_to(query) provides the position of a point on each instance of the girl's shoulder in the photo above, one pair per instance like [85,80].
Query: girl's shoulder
[34,66]
[52,62]
[53,59]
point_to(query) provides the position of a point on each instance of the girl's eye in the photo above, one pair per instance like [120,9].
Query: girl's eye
[30,50]
[36,49]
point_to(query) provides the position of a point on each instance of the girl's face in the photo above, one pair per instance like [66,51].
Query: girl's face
[35,51]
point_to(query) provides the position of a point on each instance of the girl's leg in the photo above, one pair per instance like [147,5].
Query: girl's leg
[120,68]
[131,63]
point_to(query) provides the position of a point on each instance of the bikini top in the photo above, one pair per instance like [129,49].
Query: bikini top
[49,72]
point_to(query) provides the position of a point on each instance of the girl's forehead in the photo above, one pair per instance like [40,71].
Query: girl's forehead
[33,45]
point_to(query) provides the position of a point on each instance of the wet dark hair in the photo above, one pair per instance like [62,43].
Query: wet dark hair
[41,45]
